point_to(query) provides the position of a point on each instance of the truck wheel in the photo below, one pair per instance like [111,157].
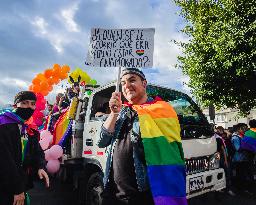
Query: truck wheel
[94,189]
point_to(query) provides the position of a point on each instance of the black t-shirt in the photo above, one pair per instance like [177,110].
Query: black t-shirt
[123,175]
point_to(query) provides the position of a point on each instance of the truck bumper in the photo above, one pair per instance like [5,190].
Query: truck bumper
[201,183]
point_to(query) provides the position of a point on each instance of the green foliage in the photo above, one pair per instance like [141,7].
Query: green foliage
[220,56]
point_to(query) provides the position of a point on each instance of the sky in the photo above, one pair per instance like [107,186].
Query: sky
[36,34]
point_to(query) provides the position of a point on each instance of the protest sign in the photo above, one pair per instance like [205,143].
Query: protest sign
[121,48]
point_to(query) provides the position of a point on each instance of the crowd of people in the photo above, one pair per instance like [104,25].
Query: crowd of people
[138,153]
[238,163]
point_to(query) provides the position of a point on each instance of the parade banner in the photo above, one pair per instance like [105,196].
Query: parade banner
[121,48]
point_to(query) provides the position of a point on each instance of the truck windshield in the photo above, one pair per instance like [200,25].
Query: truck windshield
[193,123]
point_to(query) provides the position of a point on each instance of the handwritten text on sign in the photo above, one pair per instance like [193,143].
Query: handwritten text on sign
[121,47]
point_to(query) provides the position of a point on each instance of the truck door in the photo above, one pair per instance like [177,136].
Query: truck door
[97,116]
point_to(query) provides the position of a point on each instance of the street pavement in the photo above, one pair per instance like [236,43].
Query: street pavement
[63,194]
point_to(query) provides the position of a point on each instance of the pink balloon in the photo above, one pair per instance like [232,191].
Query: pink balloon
[53,166]
[46,134]
[55,152]
[38,114]
[47,155]
[40,106]
[44,143]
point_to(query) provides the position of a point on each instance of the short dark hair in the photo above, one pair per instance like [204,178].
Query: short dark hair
[252,123]
[24,95]
[239,126]
[220,128]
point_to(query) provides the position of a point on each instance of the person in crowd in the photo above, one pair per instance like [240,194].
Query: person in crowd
[126,179]
[56,104]
[227,135]
[75,89]
[251,155]
[103,111]
[20,155]
[49,109]
[241,160]
[220,136]
[64,101]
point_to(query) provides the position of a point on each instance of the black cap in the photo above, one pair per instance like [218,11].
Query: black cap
[24,95]
[135,71]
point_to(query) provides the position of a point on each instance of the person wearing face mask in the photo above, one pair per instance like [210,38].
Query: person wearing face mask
[21,156]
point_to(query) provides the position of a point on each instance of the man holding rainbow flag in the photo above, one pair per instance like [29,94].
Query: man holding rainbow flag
[145,163]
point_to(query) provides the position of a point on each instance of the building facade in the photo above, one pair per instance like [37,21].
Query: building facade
[229,117]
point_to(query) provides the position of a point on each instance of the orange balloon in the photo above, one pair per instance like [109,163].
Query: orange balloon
[56,73]
[30,88]
[50,81]
[41,76]
[56,66]
[44,85]
[50,88]
[65,68]
[36,80]
[48,73]
[36,88]
[63,75]
[44,92]
[56,80]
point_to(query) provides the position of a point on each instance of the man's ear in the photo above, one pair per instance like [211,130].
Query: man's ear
[144,83]
[14,106]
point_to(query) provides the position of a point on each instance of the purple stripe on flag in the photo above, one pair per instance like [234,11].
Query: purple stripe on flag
[8,118]
[165,200]
[248,143]
[167,180]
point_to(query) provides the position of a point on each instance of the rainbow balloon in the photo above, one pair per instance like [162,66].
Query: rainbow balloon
[248,142]
[160,133]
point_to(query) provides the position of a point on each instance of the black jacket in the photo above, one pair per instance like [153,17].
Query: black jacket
[15,176]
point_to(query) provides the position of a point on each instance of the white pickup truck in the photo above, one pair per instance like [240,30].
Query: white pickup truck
[85,163]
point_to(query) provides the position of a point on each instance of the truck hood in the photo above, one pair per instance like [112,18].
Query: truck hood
[199,147]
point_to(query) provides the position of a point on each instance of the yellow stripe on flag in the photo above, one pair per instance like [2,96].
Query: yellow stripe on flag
[167,127]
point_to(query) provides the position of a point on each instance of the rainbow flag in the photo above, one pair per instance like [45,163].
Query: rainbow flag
[9,117]
[160,133]
[248,142]
[61,128]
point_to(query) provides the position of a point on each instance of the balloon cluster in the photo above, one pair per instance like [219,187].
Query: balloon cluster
[52,153]
[43,82]
[38,115]
[85,79]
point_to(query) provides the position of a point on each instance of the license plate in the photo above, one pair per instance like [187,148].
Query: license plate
[196,183]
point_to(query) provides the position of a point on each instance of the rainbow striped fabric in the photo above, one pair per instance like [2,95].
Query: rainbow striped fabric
[24,147]
[61,128]
[248,142]
[9,117]
[160,133]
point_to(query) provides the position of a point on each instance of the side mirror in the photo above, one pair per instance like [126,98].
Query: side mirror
[212,112]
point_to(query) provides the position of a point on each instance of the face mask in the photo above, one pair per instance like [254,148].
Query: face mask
[24,113]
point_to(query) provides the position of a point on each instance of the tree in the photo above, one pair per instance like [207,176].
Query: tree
[220,56]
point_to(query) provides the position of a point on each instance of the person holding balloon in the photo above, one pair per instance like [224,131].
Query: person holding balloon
[20,154]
